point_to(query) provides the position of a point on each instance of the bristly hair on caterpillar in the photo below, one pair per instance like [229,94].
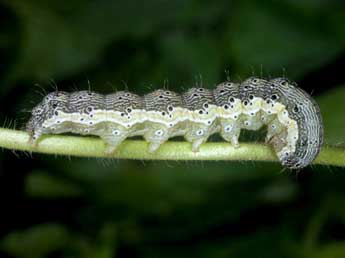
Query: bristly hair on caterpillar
[292,117]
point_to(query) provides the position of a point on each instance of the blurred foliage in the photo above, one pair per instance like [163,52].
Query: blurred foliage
[330,105]
[60,207]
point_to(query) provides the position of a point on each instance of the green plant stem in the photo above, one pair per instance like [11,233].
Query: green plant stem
[137,149]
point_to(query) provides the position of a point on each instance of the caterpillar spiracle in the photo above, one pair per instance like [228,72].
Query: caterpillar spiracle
[292,117]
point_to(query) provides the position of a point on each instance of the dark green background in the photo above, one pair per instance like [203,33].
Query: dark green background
[71,207]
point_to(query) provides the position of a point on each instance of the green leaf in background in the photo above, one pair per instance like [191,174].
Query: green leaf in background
[271,244]
[200,55]
[284,34]
[67,39]
[335,250]
[35,242]
[61,47]
[43,240]
[332,110]
[41,184]
[102,244]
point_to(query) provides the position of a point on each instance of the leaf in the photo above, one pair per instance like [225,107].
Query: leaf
[334,250]
[43,185]
[281,34]
[58,42]
[199,55]
[51,46]
[264,242]
[37,241]
[332,110]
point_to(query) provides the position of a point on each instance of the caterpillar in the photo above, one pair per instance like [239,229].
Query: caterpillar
[292,117]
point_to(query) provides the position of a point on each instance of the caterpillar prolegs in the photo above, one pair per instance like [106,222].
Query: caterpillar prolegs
[292,117]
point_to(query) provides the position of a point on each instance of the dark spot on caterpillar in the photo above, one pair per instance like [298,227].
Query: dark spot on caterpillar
[274,97]
[200,132]
[251,97]
[284,83]
[38,111]
[298,164]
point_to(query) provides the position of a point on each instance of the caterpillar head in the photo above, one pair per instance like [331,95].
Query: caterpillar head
[50,105]
[37,118]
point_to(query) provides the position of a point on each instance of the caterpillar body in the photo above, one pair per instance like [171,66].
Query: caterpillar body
[292,117]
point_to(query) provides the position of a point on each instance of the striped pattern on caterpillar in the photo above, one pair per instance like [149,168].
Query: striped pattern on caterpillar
[293,119]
